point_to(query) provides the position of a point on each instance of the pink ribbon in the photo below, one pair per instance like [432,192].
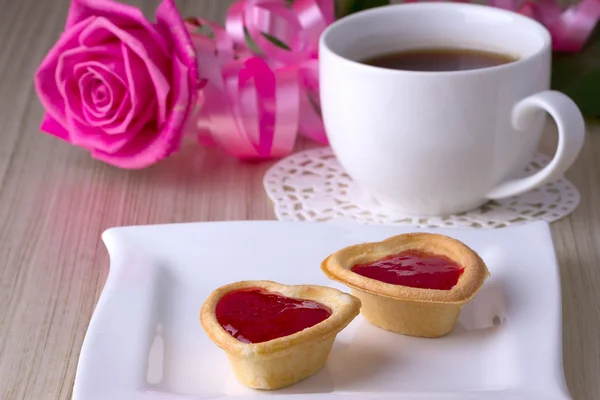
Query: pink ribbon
[570,29]
[256,100]
[299,28]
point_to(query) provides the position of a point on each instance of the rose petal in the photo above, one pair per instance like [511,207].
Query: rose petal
[53,127]
[141,95]
[107,114]
[93,138]
[169,20]
[146,70]
[155,62]
[150,146]
[121,112]
[97,98]
[87,83]
[154,141]
[102,96]
[121,102]
[46,84]
[127,118]
[109,55]
[69,90]
[73,63]
[122,15]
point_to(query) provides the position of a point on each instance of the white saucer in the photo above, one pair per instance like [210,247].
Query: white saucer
[145,340]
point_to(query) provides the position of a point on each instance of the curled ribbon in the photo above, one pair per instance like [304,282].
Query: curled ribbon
[257,97]
[260,71]
[570,28]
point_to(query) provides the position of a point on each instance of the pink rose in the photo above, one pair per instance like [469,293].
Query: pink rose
[118,85]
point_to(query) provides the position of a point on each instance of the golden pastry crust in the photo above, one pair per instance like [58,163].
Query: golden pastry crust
[410,311]
[286,360]
[428,320]
[338,267]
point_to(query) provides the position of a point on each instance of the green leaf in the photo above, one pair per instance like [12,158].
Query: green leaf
[250,43]
[276,41]
[585,91]
[255,49]
[347,7]
[578,75]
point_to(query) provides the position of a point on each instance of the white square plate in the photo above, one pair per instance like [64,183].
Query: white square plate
[145,341]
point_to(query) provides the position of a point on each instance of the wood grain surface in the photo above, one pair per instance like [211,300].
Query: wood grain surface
[55,201]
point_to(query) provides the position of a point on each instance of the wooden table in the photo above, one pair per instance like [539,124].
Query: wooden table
[55,201]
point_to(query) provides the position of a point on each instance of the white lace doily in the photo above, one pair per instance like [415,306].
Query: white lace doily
[312,186]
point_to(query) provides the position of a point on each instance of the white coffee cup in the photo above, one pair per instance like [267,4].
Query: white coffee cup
[435,143]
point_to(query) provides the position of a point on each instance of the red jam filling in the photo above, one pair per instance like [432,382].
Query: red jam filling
[415,269]
[255,315]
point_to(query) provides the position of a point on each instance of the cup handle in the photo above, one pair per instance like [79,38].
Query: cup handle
[571,135]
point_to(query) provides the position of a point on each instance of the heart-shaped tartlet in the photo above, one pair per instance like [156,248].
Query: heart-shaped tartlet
[276,335]
[414,284]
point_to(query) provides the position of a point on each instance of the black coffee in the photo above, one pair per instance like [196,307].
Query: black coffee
[439,59]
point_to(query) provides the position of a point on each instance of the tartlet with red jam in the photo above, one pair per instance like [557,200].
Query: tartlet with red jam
[276,335]
[414,284]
